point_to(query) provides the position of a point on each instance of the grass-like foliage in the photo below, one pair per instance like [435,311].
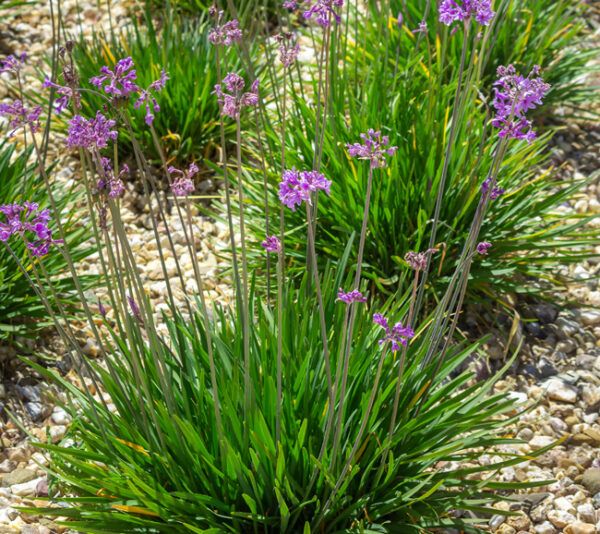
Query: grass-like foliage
[386,83]
[156,464]
[301,408]
[21,310]
[188,116]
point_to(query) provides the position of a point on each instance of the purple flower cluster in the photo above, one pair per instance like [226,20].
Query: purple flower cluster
[482,248]
[271,244]
[24,219]
[227,34]
[297,186]
[373,149]
[290,4]
[396,335]
[323,9]
[418,260]
[514,96]
[496,191]
[287,52]
[91,133]
[13,64]
[118,82]
[147,97]
[451,11]
[352,296]
[236,99]
[65,93]
[114,184]
[21,116]
[183,184]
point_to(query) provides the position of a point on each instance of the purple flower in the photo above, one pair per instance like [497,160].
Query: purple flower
[323,9]
[147,97]
[117,82]
[115,185]
[400,19]
[227,34]
[290,4]
[101,309]
[480,10]
[91,133]
[514,96]
[65,94]
[13,64]
[422,28]
[134,308]
[30,223]
[352,296]
[21,116]
[496,191]
[482,247]
[297,186]
[183,184]
[271,244]
[418,260]
[235,100]
[373,149]
[396,335]
[287,52]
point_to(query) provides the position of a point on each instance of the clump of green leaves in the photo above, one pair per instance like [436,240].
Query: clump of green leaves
[188,117]
[384,82]
[154,463]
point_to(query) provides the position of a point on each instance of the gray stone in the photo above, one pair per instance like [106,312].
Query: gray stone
[18,476]
[591,481]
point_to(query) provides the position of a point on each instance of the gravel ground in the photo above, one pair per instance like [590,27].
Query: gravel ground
[559,367]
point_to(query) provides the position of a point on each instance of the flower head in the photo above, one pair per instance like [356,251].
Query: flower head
[482,248]
[352,296]
[134,308]
[514,96]
[418,260]
[233,102]
[271,244]
[91,133]
[288,53]
[65,94]
[450,11]
[396,335]
[296,186]
[21,116]
[183,184]
[290,4]
[29,223]
[12,63]
[496,191]
[147,97]
[373,148]
[323,9]
[422,28]
[118,82]
[225,34]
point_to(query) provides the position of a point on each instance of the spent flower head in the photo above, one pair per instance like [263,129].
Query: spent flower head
[373,148]
[29,223]
[514,96]
[323,9]
[271,244]
[451,11]
[418,260]
[296,186]
[397,335]
[352,296]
